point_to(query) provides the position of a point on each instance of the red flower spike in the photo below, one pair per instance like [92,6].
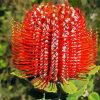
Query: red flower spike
[53,44]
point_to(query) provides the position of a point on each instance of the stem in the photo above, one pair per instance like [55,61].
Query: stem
[43,96]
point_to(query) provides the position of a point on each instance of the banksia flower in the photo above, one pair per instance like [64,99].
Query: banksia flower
[53,44]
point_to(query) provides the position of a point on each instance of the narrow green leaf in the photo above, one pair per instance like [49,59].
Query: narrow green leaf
[94,96]
[36,82]
[69,87]
[18,73]
[81,85]
[94,71]
[40,84]
[51,88]
[79,93]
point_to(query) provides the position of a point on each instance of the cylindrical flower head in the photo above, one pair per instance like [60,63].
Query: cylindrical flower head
[53,43]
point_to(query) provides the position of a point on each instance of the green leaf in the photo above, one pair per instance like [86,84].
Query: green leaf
[80,92]
[3,64]
[69,87]
[72,98]
[90,85]
[81,85]
[18,73]
[33,1]
[94,71]
[3,47]
[51,88]
[41,84]
[94,96]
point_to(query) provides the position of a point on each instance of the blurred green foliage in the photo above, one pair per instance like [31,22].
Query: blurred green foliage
[12,88]
[93,96]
